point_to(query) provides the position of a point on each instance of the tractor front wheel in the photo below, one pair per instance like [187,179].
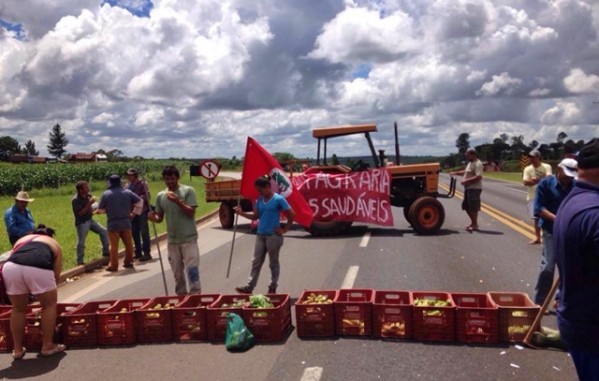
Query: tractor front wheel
[226,215]
[427,215]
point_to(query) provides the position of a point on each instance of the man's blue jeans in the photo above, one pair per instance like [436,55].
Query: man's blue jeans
[547,269]
[141,234]
[82,230]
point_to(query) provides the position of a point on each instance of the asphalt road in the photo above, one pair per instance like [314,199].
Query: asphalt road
[497,258]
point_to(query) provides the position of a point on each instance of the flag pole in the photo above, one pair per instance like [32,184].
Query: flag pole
[150,207]
[234,233]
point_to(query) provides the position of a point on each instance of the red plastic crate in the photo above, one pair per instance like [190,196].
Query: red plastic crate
[315,319]
[5,334]
[433,323]
[269,324]
[516,314]
[33,324]
[392,314]
[80,326]
[189,317]
[216,315]
[477,318]
[154,320]
[116,324]
[353,312]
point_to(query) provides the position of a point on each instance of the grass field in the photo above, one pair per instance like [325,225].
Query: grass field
[52,207]
[506,176]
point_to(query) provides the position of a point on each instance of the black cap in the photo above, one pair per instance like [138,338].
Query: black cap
[115,181]
[588,156]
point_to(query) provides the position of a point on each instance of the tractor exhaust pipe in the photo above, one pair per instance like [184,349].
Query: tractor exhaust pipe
[396,144]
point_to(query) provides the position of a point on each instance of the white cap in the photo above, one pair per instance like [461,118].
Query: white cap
[570,167]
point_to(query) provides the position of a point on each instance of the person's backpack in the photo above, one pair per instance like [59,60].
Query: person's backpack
[238,337]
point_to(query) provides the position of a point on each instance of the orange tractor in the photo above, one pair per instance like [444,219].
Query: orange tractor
[413,187]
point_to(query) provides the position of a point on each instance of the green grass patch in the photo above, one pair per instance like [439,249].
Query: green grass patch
[52,207]
[515,177]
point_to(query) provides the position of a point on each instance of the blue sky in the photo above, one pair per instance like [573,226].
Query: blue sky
[194,78]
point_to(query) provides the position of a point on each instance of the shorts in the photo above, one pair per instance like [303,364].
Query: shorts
[530,206]
[471,200]
[20,280]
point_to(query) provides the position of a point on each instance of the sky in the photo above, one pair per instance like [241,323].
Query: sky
[195,78]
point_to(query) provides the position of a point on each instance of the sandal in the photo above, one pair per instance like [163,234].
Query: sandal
[59,348]
[19,356]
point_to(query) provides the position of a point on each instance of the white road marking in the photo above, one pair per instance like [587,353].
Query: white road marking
[312,374]
[350,277]
[365,239]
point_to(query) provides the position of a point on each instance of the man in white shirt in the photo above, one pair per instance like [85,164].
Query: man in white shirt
[532,174]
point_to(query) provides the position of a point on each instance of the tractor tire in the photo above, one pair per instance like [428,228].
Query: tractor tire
[427,215]
[226,215]
[328,228]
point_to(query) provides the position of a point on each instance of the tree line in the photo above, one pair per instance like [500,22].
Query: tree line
[505,148]
[10,146]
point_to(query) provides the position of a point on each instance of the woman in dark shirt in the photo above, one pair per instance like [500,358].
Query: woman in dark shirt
[34,268]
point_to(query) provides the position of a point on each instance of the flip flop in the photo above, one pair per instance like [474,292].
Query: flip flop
[469,229]
[19,357]
[59,348]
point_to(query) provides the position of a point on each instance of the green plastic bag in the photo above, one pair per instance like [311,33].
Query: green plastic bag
[238,337]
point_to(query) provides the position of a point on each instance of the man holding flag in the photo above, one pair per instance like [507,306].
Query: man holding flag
[273,194]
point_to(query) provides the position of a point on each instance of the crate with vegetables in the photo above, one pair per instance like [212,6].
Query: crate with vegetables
[516,314]
[116,324]
[315,314]
[217,312]
[477,318]
[189,317]
[33,324]
[153,321]
[5,335]
[433,316]
[392,314]
[353,312]
[268,317]
[80,326]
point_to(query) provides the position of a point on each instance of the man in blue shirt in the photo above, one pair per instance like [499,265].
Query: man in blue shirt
[18,219]
[269,236]
[121,206]
[576,235]
[550,193]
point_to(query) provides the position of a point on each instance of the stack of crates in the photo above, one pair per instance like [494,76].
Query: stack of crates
[392,314]
[477,318]
[315,314]
[433,322]
[189,318]
[353,312]
[516,315]
[269,324]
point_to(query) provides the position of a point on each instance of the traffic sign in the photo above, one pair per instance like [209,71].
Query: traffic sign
[209,169]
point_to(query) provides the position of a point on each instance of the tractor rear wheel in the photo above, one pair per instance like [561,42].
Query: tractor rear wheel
[328,228]
[226,215]
[427,215]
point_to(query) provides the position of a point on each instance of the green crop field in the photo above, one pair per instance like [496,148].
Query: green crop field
[52,207]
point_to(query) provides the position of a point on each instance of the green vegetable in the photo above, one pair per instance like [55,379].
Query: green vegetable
[260,301]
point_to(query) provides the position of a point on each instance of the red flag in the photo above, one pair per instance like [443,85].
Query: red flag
[259,162]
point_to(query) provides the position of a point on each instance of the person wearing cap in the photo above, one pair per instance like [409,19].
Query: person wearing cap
[576,238]
[532,174]
[121,206]
[139,224]
[18,219]
[472,181]
[550,193]
[83,204]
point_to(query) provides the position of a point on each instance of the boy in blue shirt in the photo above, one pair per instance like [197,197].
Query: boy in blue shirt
[269,236]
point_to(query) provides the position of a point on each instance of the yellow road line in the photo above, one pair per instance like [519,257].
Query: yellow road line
[510,221]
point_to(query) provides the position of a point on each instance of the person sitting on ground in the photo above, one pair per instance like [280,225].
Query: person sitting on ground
[34,268]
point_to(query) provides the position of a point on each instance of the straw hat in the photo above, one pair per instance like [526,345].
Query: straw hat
[23,196]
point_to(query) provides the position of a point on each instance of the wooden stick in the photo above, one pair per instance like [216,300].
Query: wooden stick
[537,322]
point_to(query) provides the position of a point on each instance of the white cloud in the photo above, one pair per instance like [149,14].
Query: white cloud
[579,82]
[562,113]
[501,83]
